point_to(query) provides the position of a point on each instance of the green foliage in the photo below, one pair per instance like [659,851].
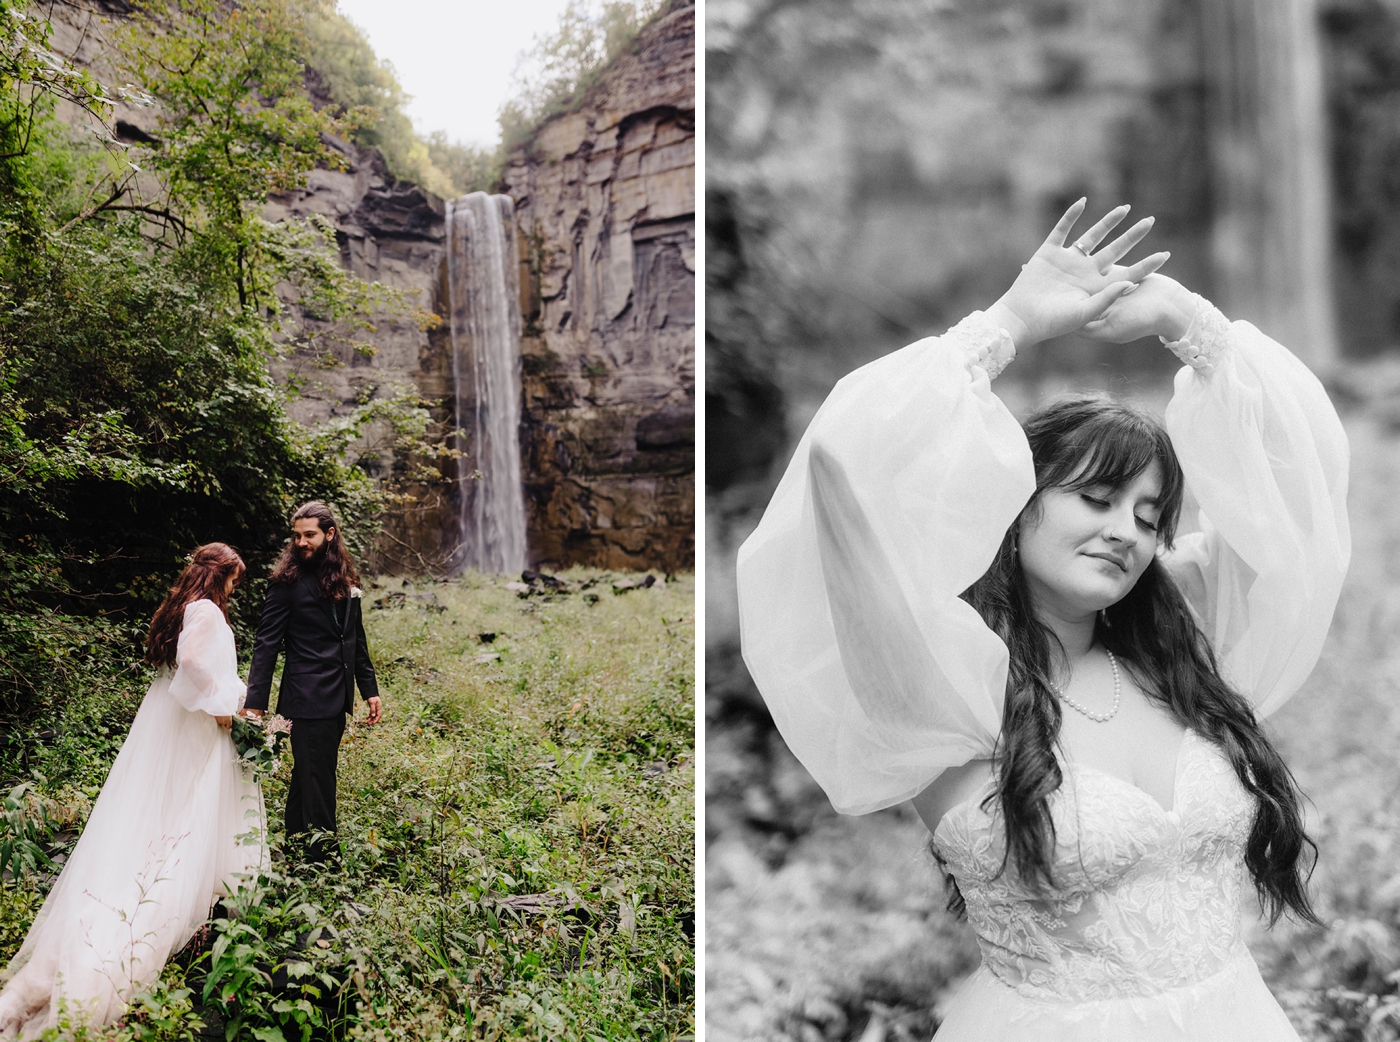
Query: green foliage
[516,839]
[31,75]
[558,71]
[19,904]
[235,126]
[524,824]
[142,296]
[469,168]
[163,1012]
[357,80]
[264,940]
[23,823]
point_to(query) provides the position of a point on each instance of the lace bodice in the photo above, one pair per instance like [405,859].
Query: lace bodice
[1147,899]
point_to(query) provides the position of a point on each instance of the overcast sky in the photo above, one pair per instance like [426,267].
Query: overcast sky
[454,56]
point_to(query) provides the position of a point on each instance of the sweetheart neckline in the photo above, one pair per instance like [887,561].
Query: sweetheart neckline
[1171,811]
[1073,765]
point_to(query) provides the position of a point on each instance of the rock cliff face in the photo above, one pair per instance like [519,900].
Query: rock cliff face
[605,201]
[387,231]
[391,232]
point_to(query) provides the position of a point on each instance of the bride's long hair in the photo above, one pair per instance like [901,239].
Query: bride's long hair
[1092,439]
[206,573]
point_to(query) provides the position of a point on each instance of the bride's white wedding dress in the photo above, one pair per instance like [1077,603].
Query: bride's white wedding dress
[1143,938]
[175,826]
[880,677]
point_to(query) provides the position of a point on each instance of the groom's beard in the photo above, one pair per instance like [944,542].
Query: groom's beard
[312,560]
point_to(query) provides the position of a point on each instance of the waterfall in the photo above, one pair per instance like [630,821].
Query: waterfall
[483,279]
[1266,111]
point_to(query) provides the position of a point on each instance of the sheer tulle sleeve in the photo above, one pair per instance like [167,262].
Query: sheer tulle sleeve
[877,675]
[206,663]
[1266,459]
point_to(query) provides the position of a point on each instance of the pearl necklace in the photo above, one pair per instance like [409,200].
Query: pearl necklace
[1117,695]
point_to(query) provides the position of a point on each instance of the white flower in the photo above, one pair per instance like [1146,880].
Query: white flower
[355,591]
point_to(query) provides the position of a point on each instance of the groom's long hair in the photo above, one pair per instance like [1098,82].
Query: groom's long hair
[332,568]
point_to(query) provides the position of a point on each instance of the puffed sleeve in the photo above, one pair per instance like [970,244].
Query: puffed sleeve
[877,675]
[1266,459]
[206,663]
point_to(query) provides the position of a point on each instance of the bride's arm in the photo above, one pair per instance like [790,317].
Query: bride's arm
[1266,459]
[876,673]
[206,669]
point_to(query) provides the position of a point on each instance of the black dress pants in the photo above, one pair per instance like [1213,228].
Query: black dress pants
[311,794]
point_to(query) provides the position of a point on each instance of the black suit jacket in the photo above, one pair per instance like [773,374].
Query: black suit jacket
[324,661]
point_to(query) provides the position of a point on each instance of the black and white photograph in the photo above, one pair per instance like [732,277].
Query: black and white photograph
[1052,421]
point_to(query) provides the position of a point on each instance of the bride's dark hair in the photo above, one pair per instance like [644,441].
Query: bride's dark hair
[1092,439]
[206,574]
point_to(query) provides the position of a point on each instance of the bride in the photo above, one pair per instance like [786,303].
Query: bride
[175,826]
[1003,625]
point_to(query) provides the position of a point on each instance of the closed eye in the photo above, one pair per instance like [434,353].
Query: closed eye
[1093,500]
[1150,526]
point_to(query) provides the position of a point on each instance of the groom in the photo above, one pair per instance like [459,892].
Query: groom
[313,612]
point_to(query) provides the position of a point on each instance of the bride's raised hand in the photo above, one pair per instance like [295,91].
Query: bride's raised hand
[1160,306]
[1063,287]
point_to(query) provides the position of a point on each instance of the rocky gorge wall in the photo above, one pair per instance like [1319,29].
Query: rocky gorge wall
[605,202]
[394,233]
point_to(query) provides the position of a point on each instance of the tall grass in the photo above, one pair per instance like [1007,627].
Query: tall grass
[517,854]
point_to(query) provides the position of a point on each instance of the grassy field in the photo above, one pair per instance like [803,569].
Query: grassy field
[823,927]
[517,835]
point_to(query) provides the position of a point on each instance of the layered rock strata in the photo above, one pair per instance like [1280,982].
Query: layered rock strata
[394,233]
[387,231]
[605,207]
[605,202]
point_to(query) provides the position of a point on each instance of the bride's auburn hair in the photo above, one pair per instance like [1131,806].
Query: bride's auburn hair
[1093,439]
[206,573]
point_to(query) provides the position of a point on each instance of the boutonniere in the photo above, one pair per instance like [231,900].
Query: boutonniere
[355,591]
